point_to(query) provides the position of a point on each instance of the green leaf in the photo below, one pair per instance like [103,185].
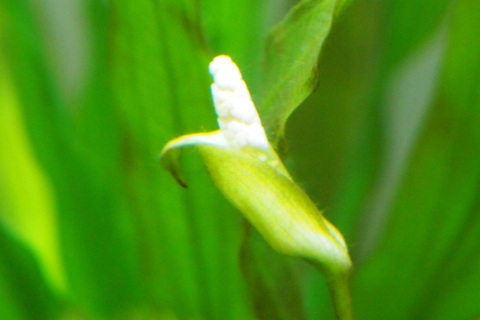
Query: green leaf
[22,178]
[188,247]
[388,147]
[333,137]
[24,291]
[80,167]
[272,279]
[290,62]
[236,28]
[426,255]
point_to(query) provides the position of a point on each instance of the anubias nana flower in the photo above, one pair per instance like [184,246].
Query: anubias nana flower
[249,173]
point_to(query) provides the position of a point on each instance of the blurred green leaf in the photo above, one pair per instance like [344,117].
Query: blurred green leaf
[24,189]
[272,280]
[80,166]
[333,137]
[236,28]
[189,247]
[432,217]
[387,146]
[292,51]
[25,293]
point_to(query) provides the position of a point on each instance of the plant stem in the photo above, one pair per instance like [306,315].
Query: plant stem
[341,298]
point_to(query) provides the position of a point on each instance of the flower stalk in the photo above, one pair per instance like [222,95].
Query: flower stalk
[248,172]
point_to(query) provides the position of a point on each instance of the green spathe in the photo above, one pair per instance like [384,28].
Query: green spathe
[276,206]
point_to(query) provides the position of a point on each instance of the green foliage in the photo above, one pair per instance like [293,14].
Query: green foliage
[292,50]
[90,91]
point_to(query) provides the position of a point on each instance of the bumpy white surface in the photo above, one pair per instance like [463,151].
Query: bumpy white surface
[237,116]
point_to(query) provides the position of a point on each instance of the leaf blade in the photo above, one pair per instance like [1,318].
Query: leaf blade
[292,51]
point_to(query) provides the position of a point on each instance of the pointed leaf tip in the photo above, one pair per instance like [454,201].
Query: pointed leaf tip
[170,155]
[170,161]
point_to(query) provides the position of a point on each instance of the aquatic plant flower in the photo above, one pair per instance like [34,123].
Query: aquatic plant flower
[249,173]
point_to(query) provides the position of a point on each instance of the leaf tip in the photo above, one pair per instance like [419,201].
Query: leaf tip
[170,160]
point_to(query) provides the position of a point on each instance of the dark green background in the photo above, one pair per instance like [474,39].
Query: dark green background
[388,145]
